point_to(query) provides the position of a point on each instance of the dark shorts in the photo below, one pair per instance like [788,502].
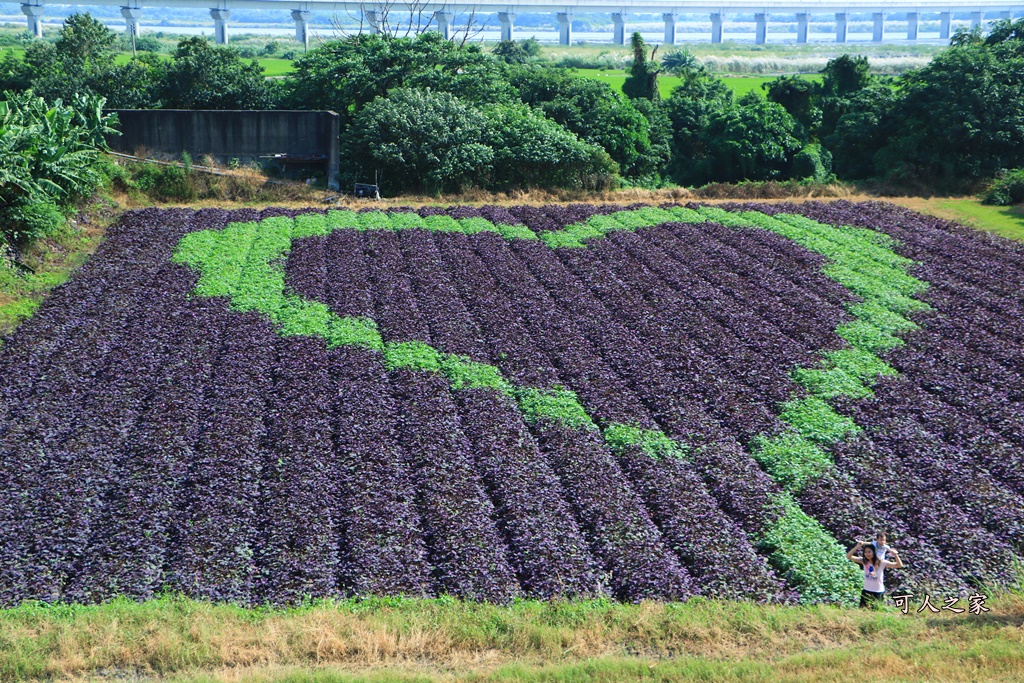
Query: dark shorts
[871,598]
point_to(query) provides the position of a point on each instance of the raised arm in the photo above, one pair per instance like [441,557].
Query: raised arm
[898,564]
[851,558]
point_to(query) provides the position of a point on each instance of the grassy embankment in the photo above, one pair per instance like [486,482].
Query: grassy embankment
[448,640]
[1007,221]
[53,260]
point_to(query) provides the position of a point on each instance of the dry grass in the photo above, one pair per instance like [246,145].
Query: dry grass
[449,640]
[718,191]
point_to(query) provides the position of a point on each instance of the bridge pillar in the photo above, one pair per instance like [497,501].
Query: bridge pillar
[879,32]
[912,19]
[841,27]
[507,20]
[301,19]
[944,23]
[801,27]
[716,28]
[444,23]
[761,29]
[372,19]
[34,13]
[131,20]
[220,24]
[565,28]
[619,33]
[670,27]
[976,18]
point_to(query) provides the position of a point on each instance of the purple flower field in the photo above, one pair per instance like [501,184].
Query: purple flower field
[563,401]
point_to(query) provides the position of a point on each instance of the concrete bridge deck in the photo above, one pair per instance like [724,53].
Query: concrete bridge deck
[442,14]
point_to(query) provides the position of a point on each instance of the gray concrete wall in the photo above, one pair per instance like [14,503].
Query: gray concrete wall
[224,135]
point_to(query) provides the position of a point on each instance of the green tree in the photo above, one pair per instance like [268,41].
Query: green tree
[80,59]
[422,141]
[679,61]
[85,40]
[347,75]
[201,76]
[843,78]
[958,119]
[15,73]
[861,131]
[752,141]
[799,97]
[531,46]
[652,163]
[134,85]
[591,110]
[642,81]
[845,75]
[531,150]
[690,109]
[510,52]
[964,36]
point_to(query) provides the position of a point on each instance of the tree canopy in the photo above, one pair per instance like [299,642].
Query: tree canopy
[950,125]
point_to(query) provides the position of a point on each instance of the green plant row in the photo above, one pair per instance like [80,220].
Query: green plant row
[243,262]
[863,262]
[310,224]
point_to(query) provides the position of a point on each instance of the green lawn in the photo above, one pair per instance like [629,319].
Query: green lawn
[740,85]
[53,261]
[277,67]
[1007,221]
[616,78]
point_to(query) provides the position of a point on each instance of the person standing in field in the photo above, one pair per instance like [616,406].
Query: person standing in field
[874,572]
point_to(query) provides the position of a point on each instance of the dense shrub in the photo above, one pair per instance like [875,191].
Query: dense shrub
[753,141]
[597,114]
[1007,189]
[948,126]
[813,162]
[533,151]
[420,140]
[347,75]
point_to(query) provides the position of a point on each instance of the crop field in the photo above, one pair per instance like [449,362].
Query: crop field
[566,401]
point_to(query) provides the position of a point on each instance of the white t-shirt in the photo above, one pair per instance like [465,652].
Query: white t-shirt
[874,577]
